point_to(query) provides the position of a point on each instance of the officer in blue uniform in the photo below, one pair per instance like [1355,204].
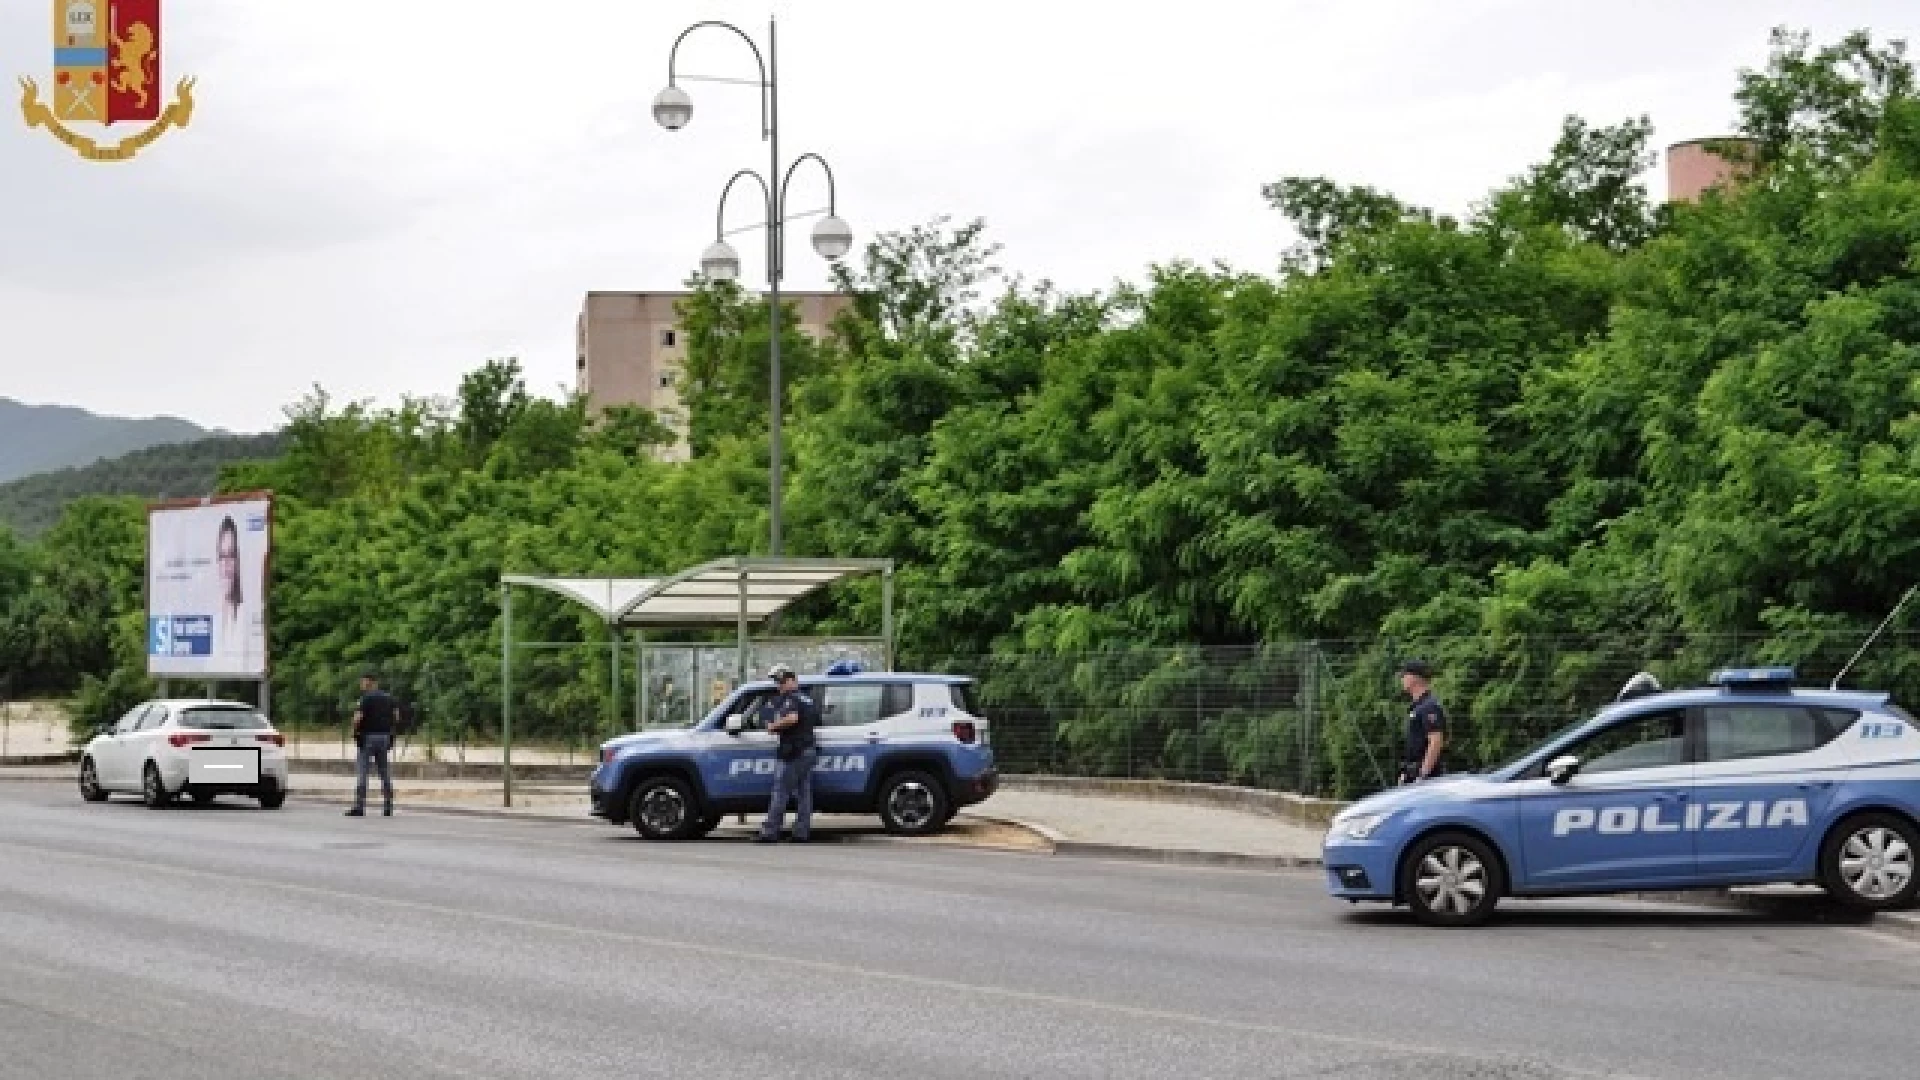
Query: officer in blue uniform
[1425,753]
[793,716]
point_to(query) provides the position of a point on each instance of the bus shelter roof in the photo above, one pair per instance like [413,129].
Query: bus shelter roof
[717,593]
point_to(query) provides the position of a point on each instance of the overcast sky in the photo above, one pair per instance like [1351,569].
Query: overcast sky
[377,196]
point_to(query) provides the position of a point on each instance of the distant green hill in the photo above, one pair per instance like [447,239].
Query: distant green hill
[32,504]
[41,438]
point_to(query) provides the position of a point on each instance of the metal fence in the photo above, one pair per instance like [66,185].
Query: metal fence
[1329,718]
[1321,718]
[566,698]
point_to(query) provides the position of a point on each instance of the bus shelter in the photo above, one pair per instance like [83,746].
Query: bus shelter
[741,594]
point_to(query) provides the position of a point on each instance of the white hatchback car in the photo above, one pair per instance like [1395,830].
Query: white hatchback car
[199,748]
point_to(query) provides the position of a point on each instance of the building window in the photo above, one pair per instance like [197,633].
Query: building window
[580,362]
[667,338]
[667,378]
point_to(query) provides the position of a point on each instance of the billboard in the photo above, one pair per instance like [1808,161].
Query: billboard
[207,587]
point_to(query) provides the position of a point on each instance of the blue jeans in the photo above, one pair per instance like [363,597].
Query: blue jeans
[792,780]
[373,750]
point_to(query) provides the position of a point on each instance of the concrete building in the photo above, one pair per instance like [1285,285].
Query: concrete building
[1693,167]
[629,350]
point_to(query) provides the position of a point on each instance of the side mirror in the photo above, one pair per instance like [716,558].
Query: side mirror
[735,723]
[1562,769]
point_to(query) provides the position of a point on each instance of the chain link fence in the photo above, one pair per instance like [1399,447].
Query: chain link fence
[1319,718]
[1329,718]
[564,695]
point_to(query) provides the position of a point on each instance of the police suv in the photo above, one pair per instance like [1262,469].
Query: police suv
[911,748]
[1746,781]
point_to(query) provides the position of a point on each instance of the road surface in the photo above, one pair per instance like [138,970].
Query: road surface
[229,942]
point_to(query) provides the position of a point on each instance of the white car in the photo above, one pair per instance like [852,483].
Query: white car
[164,749]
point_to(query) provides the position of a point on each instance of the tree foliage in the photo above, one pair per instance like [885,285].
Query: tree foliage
[1565,433]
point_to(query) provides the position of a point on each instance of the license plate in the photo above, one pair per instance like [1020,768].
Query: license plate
[230,766]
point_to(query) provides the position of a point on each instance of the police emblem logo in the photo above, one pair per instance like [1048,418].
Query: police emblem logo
[106,71]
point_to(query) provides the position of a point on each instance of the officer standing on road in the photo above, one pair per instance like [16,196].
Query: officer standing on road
[792,715]
[1426,725]
[373,724]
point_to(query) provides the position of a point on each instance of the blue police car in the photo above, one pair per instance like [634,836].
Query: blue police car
[911,748]
[1746,781]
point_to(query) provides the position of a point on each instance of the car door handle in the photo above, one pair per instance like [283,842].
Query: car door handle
[874,736]
[1815,785]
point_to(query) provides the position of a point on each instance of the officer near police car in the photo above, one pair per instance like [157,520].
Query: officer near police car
[1424,754]
[793,716]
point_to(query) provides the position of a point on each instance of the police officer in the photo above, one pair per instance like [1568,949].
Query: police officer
[1424,754]
[373,727]
[793,716]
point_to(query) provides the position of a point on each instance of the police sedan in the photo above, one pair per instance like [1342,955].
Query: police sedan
[1746,781]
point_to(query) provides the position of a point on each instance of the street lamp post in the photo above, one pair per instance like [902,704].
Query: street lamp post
[673,108]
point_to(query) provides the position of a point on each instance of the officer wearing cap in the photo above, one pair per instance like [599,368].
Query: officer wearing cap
[791,715]
[1426,725]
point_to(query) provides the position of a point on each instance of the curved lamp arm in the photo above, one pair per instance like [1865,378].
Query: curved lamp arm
[720,214]
[786,184]
[766,126]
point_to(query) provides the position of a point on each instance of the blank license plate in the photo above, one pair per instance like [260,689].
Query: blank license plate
[239,766]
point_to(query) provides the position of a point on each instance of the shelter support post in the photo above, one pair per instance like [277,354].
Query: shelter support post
[613,679]
[886,617]
[741,659]
[640,693]
[506,695]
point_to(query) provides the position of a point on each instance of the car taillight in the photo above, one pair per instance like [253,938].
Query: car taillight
[182,738]
[273,737]
[963,730]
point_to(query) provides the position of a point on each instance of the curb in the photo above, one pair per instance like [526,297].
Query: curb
[1183,856]
[1301,810]
[445,809]
[1083,849]
[29,761]
[500,813]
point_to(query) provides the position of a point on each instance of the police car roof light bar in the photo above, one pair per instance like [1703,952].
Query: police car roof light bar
[1752,678]
[1908,595]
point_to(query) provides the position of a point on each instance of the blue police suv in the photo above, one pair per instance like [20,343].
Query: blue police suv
[912,748]
[1746,781]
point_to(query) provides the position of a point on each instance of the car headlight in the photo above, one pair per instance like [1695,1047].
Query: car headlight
[1360,826]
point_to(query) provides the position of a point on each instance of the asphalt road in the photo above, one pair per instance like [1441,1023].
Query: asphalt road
[239,943]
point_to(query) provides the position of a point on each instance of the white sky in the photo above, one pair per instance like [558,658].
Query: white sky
[376,195]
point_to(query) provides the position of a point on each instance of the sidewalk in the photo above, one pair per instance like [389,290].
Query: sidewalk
[1090,825]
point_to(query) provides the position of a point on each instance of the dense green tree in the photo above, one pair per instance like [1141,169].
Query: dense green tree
[1548,443]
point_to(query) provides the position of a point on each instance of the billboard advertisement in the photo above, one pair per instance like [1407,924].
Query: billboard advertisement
[207,587]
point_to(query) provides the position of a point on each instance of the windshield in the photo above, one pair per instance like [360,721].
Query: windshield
[1536,746]
[223,720]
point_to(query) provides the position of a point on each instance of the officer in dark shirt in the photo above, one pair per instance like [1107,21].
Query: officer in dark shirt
[793,716]
[373,723]
[1424,755]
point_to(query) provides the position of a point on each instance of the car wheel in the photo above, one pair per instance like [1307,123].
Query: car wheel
[912,804]
[90,788]
[273,798]
[203,798]
[1451,879]
[153,790]
[663,809]
[1869,862]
